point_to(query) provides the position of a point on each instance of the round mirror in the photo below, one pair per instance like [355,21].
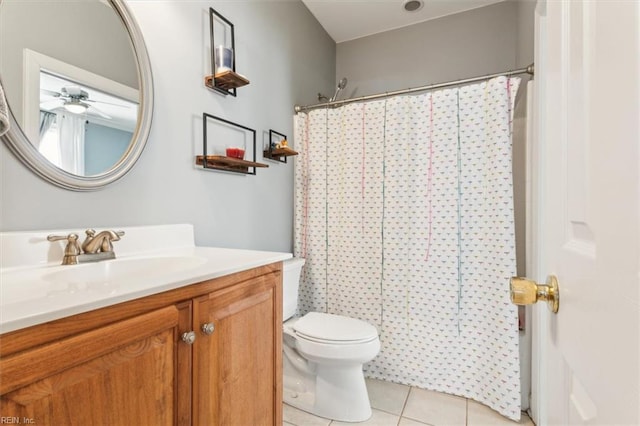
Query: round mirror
[78,84]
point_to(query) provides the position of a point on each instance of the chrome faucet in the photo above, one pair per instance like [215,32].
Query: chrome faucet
[96,247]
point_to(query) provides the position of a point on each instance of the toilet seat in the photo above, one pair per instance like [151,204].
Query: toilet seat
[334,329]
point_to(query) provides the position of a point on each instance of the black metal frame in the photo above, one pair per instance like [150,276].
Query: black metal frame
[213,12]
[270,149]
[206,116]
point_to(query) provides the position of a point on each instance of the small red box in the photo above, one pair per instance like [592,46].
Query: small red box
[235,153]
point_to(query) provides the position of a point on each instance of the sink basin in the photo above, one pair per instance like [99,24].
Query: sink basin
[105,278]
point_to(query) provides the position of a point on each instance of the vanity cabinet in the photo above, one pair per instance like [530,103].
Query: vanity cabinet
[82,379]
[133,364]
[234,375]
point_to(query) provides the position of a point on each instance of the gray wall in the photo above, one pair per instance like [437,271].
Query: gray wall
[468,44]
[287,56]
[526,30]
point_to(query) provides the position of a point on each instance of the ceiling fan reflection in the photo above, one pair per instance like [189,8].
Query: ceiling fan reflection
[75,100]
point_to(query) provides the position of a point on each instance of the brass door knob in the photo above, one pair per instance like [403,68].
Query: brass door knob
[527,292]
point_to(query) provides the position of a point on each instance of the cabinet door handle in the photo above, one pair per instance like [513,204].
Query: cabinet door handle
[208,328]
[189,337]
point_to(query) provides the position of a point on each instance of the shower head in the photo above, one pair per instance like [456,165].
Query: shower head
[341,85]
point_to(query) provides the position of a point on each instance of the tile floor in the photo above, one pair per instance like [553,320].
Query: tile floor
[400,405]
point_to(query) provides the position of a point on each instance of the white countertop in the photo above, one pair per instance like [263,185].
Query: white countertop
[34,290]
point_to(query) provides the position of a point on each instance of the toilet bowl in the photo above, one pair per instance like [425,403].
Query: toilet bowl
[323,358]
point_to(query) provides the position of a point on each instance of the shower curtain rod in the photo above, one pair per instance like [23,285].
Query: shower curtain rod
[527,70]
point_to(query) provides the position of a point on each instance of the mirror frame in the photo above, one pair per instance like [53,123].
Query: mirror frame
[20,145]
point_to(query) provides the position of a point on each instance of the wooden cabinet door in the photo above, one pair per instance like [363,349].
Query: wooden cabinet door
[120,374]
[238,368]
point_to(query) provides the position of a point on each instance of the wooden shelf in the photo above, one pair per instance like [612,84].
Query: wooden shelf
[221,162]
[225,81]
[279,153]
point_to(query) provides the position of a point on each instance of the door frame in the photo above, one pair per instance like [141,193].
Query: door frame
[535,268]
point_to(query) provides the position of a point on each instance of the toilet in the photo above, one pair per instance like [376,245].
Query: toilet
[323,357]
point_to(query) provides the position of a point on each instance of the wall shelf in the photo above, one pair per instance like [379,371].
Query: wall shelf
[225,81]
[229,164]
[227,131]
[278,154]
[224,78]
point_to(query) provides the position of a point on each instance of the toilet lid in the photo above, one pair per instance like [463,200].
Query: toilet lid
[334,328]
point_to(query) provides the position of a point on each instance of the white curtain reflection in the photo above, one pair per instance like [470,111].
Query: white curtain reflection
[47,119]
[62,140]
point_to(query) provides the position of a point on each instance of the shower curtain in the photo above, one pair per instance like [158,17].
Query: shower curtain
[404,213]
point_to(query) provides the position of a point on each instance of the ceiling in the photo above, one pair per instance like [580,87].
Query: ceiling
[350,19]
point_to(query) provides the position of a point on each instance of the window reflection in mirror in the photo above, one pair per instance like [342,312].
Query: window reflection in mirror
[81,129]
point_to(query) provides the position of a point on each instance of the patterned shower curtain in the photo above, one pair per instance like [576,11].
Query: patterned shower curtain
[404,213]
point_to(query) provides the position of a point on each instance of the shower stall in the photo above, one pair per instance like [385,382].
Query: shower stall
[404,211]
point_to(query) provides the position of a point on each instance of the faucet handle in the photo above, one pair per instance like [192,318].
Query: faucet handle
[71,251]
[62,237]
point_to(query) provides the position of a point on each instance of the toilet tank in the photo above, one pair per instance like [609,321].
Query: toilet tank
[292,269]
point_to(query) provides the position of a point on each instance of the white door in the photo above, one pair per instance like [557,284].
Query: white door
[586,228]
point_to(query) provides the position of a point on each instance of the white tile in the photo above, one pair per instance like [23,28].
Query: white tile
[378,418]
[436,408]
[408,422]
[287,424]
[387,396]
[481,415]
[301,418]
